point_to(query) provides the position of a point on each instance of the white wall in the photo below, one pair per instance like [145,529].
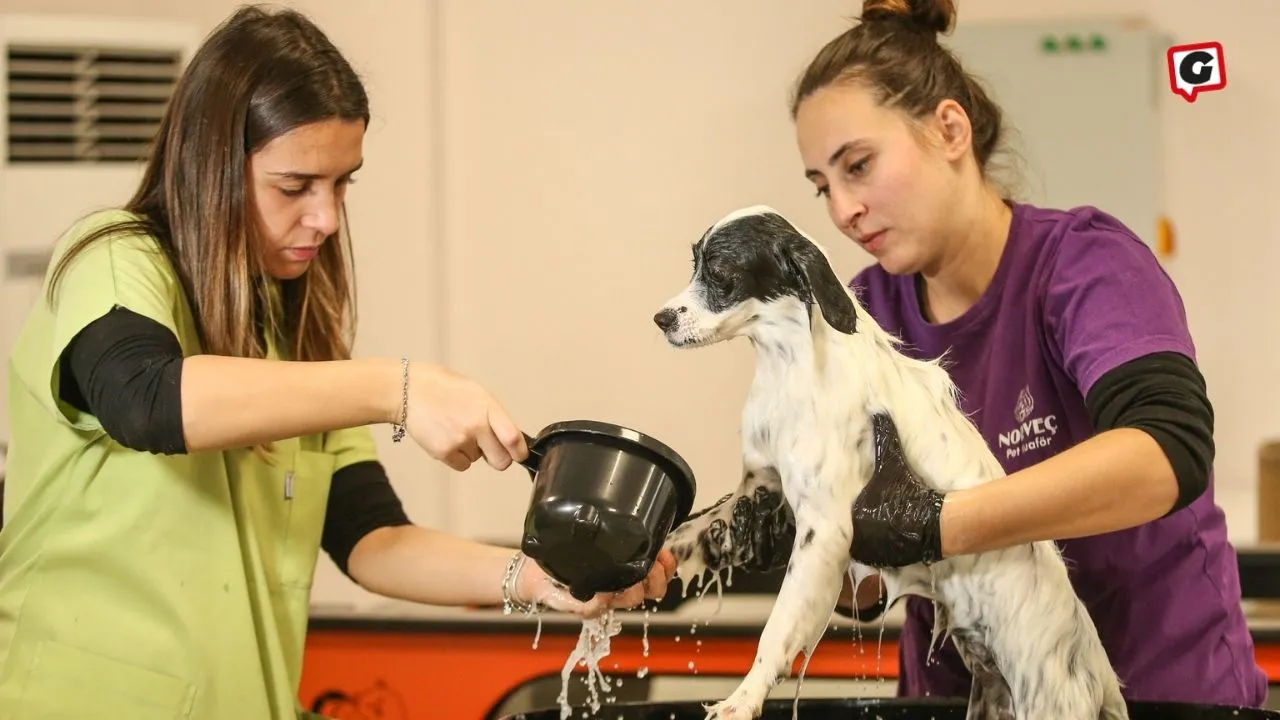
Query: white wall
[535,176]
[582,159]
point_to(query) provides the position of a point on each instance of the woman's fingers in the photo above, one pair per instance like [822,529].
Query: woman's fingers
[667,560]
[458,421]
[595,607]
[655,585]
[494,452]
[457,461]
[631,597]
[506,433]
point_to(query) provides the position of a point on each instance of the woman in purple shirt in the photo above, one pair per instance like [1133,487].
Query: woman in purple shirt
[1070,347]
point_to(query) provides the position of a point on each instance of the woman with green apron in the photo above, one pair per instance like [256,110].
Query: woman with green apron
[189,429]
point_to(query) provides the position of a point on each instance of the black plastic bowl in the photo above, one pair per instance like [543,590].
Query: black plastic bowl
[885,709]
[604,498]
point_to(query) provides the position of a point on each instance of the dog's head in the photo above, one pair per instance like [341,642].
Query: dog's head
[754,266]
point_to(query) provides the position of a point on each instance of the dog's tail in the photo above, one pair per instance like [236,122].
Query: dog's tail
[1114,706]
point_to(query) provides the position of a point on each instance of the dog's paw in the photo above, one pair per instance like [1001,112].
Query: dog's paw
[693,545]
[733,709]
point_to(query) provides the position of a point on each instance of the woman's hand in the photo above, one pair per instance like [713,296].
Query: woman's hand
[896,517]
[535,586]
[457,421]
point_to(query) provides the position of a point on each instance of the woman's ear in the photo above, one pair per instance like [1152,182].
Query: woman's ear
[955,130]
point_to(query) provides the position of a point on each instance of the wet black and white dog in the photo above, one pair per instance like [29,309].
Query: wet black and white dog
[831,395]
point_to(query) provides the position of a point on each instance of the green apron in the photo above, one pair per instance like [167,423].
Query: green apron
[145,586]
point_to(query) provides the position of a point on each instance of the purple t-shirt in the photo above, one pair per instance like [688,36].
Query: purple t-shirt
[1075,295]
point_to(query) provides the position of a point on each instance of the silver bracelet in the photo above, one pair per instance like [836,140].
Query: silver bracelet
[509,601]
[398,430]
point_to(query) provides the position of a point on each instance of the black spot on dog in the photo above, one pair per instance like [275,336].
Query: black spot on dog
[990,695]
[710,508]
[764,530]
[763,256]
[757,533]
[808,539]
[711,544]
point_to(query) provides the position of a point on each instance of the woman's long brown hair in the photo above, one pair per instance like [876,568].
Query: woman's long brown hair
[257,76]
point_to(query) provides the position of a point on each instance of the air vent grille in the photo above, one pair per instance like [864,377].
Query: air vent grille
[86,104]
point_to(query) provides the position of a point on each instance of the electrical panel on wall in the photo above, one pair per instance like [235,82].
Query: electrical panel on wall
[83,98]
[1082,99]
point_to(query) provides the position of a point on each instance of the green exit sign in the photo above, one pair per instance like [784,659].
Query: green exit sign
[1073,43]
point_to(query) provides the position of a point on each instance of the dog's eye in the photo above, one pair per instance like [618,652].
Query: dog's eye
[722,280]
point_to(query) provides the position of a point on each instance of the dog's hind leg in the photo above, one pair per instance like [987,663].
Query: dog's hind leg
[751,528]
[990,697]
[1114,706]
[802,610]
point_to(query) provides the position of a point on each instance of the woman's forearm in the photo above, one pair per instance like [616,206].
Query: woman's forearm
[232,402]
[1113,481]
[427,566]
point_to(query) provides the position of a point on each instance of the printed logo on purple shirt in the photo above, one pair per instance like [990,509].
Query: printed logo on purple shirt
[1029,432]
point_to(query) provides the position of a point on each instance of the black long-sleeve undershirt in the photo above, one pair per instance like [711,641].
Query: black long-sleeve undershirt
[125,369]
[1164,395]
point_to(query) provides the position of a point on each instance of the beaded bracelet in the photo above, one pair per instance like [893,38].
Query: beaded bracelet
[509,601]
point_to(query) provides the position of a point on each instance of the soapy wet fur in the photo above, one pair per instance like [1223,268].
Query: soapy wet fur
[832,403]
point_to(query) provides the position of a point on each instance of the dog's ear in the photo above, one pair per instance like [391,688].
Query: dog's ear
[819,285]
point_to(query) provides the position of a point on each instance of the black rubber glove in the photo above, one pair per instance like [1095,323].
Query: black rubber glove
[896,516]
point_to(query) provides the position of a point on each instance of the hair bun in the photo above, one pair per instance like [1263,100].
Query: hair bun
[938,16]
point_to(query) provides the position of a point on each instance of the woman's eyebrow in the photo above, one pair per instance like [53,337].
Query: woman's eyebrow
[296,175]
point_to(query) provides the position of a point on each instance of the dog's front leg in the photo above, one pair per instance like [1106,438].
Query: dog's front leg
[751,528]
[802,610]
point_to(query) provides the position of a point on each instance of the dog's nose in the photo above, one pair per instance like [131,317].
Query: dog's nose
[665,319]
